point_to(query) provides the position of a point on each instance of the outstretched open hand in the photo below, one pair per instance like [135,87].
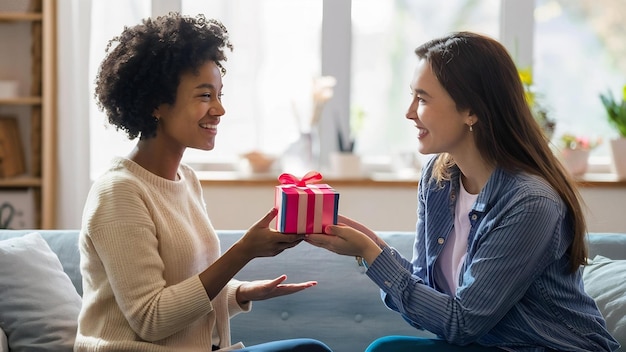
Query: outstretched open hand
[259,290]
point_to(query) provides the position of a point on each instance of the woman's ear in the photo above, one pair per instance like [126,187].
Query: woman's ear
[471,120]
[160,111]
[472,116]
[156,113]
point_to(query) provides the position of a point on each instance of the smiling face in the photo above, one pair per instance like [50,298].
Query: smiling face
[191,122]
[441,127]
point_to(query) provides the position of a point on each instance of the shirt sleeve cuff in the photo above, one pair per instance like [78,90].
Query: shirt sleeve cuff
[387,272]
[234,307]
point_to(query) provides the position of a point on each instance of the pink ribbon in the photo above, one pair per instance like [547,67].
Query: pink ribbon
[309,177]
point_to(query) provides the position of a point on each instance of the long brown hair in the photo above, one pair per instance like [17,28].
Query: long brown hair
[480,75]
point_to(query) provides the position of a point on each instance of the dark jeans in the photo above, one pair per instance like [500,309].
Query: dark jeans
[415,344]
[293,345]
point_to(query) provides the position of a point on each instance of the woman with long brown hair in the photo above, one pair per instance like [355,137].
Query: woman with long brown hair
[500,239]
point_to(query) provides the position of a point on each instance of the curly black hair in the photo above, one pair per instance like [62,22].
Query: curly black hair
[143,66]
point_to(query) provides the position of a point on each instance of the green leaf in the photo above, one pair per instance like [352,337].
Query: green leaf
[616,112]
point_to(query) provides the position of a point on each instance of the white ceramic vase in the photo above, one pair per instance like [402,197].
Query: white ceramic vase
[575,160]
[345,164]
[618,151]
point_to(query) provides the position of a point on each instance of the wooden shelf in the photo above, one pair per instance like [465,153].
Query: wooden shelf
[35,26]
[20,182]
[22,101]
[20,16]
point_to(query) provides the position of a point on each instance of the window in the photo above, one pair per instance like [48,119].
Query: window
[278,51]
[579,53]
[269,74]
[108,18]
[267,88]
[385,35]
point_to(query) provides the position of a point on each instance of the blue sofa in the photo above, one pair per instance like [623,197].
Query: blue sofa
[344,309]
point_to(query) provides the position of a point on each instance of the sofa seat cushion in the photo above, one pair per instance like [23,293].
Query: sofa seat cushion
[605,281]
[39,306]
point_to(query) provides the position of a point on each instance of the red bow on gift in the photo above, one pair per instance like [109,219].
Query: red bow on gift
[309,177]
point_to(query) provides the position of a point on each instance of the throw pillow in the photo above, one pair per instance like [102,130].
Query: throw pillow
[39,306]
[605,281]
[4,344]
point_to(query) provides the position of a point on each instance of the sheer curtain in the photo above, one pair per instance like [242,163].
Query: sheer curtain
[73,32]
[344,48]
[81,39]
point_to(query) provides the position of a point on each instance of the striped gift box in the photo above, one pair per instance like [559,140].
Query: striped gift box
[304,207]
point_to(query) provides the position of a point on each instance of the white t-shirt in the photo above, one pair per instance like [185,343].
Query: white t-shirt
[450,261]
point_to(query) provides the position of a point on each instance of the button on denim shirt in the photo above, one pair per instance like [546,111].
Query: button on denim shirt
[515,289]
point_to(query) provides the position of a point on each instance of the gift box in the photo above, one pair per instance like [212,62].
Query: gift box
[304,206]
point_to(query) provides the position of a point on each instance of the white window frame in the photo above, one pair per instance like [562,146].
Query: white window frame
[516,34]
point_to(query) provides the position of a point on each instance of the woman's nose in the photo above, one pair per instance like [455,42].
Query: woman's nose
[411,112]
[217,109]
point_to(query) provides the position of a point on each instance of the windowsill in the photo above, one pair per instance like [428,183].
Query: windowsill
[226,178]
[600,180]
[378,172]
[382,179]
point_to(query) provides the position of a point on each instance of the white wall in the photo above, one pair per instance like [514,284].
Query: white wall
[236,207]
[605,208]
[384,208]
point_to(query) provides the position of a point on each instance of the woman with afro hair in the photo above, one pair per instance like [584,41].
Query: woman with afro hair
[153,275]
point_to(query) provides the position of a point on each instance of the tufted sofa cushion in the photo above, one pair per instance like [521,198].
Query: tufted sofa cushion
[344,309]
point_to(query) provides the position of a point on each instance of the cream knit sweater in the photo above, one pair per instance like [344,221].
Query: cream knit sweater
[143,242]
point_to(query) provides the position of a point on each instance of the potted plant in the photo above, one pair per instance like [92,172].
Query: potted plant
[616,114]
[575,152]
[540,113]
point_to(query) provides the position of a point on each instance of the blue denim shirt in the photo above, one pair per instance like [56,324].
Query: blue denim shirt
[515,290]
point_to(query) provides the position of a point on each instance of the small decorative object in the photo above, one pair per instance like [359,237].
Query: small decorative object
[345,164]
[304,206]
[616,114]
[575,152]
[347,142]
[540,113]
[17,209]
[259,162]
[406,164]
[9,89]
[11,151]
[572,142]
[303,154]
